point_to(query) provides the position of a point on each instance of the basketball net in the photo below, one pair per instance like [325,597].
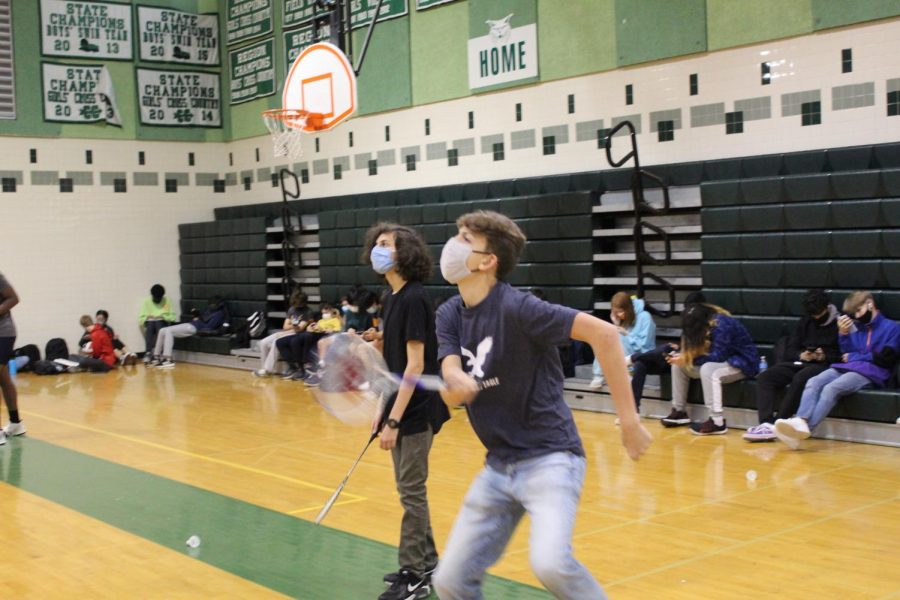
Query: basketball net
[287,127]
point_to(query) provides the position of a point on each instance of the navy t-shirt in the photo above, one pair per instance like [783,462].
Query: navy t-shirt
[508,343]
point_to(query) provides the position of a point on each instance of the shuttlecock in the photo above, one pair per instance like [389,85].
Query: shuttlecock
[751,475]
[193,541]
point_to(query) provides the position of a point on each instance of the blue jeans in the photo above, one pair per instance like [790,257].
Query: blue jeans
[822,393]
[548,488]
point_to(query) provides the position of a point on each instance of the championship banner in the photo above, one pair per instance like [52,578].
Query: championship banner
[252,71]
[296,12]
[423,4]
[179,98]
[78,94]
[248,19]
[86,29]
[362,11]
[167,35]
[299,39]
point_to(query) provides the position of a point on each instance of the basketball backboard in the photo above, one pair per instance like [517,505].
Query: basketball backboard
[321,81]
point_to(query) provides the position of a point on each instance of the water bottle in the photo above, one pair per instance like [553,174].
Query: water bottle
[13,367]
[763,365]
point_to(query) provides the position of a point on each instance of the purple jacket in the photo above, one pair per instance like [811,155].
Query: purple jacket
[880,333]
[731,342]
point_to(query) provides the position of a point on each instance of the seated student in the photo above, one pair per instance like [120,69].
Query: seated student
[811,347]
[716,349]
[298,317]
[97,354]
[156,313]
[211,319]
[357,318]
[297,350]
[654,362]
[870,343]
[122,353]
[636,328]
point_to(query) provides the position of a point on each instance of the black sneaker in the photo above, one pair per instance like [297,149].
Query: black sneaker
[709,427]
[676,418]
[390,578]
[407,586]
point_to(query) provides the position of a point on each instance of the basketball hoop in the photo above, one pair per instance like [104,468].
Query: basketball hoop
[319,93]
[287,126]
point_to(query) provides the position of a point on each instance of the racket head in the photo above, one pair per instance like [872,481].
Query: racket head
[355,382]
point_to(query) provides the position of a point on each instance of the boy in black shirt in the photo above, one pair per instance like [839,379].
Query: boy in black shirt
[412,417]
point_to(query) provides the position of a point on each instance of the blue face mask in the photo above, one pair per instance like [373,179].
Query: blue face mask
[382,259]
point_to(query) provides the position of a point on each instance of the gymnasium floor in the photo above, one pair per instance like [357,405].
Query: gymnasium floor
[119,470]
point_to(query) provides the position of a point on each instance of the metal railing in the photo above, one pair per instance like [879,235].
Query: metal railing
[642,257]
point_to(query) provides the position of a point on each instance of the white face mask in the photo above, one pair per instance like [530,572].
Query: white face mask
[453,260]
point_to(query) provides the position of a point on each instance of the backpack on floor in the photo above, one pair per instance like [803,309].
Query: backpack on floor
[32,352]
[56,348]
[47,367]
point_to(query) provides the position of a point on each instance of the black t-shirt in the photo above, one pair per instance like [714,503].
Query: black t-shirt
[409,316]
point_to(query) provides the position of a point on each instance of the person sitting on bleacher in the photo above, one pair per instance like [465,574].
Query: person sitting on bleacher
[870,343]
[297,350]
[654,362]
[156,313]
[357,318]
[211,319]
[298,317]
[637,331]
[808,351]
[717,349]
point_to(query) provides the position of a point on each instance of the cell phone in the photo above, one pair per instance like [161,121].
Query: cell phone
[670,350]
[810,349]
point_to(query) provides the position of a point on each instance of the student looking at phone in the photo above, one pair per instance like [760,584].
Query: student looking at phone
[869,343]
[716,349]
[808,351]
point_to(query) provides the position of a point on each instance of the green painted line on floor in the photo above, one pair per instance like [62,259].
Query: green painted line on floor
[283,553]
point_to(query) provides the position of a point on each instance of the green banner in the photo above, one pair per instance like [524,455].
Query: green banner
[423,4]
[96,30]
[248,19]
[252,71]
[297,40]
[362,11]
[297,12]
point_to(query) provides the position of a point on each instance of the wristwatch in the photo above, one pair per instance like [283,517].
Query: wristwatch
[393,423]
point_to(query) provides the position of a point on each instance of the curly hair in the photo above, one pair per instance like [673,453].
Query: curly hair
[412,260]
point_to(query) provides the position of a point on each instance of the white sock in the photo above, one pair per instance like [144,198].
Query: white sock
[718,420]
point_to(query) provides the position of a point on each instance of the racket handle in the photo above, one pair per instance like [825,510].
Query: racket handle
[432,383]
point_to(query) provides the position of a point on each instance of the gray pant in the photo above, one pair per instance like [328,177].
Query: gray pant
[712,375]
[417,550]
[166,338]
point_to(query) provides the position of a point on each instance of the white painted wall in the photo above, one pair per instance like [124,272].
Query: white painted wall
[69,254]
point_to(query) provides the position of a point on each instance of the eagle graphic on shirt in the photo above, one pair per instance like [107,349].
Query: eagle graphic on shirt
[475,362]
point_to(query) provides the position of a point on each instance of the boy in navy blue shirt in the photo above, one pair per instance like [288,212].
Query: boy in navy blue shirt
[497,348]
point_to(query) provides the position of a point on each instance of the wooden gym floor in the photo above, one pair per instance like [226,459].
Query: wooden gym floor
[117,471]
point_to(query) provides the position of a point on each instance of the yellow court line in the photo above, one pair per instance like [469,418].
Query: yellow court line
[192,454]
[319,506]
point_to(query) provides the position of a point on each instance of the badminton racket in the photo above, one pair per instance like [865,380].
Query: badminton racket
[355,382]
[340,488]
